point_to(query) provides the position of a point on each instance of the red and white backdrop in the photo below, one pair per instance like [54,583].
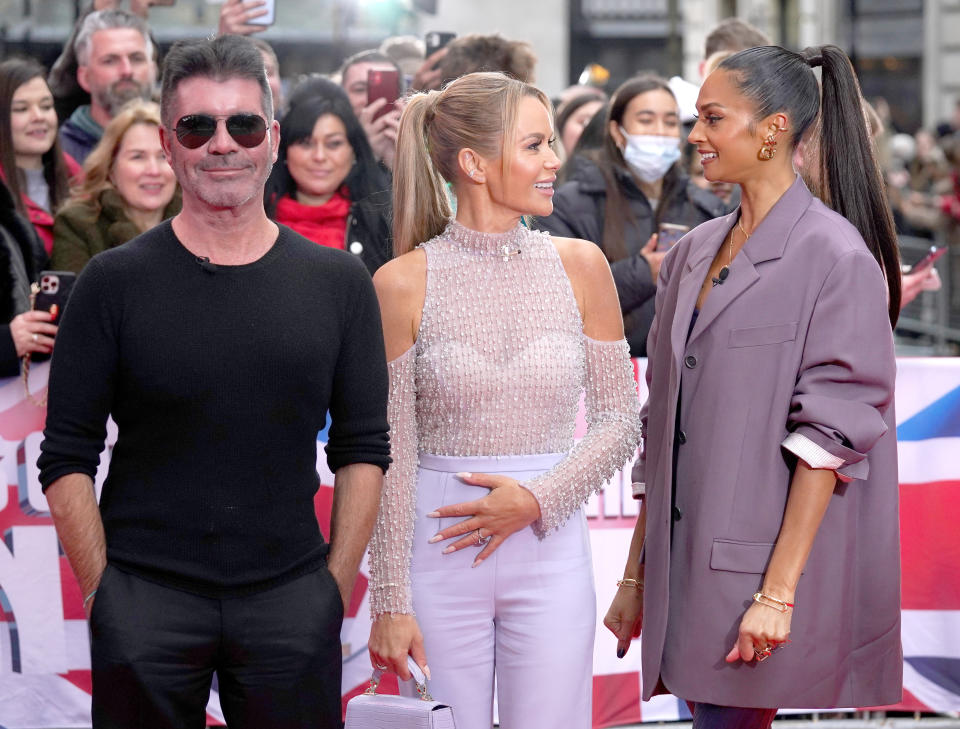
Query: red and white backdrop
[44,655]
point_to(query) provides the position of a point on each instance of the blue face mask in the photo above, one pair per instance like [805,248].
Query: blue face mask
[649,155]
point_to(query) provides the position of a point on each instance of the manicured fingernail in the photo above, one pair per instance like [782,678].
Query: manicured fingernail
[54,310]
[464,474]
[434,539]
[449,549]
[621,652]
[476,562]
[434,514]
[426,671]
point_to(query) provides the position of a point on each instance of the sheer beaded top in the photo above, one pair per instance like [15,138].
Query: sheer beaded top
[500,348]
[498,368]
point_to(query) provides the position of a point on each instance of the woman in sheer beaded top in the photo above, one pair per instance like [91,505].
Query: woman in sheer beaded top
[493,331]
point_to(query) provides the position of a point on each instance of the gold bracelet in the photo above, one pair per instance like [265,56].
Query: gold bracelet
[630,582]
[772,602]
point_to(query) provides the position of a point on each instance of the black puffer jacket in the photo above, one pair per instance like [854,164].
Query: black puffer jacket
[21,259]
[578,212]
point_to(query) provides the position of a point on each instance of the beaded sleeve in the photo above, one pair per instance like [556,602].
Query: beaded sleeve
[613,432]
[392,540]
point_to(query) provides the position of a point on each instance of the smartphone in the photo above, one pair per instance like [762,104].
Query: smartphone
[271,7]
[437,39]
[670,233]
[383,84]
[55,288]
[928,260]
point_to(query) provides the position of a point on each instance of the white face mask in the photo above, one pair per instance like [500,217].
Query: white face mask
[650,155]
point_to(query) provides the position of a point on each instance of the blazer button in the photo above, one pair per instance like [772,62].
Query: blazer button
[681,437]
[677,514]
[690,361]
[356,248]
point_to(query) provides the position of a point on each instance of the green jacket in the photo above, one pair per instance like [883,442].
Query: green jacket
[79,233]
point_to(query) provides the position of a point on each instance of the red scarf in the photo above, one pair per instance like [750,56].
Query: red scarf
[324,224]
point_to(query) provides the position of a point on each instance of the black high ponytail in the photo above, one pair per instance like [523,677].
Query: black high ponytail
[852,180]
[780,80]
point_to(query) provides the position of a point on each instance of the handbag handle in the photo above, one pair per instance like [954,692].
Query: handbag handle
[418,677]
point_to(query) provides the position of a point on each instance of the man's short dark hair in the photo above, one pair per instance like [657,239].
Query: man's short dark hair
[475,52]
[224,57]
[733,34]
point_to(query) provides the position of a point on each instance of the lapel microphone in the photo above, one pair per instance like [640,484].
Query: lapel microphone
[721,277]
[204,263]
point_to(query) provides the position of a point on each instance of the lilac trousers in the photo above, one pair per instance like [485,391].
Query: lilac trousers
[526,617]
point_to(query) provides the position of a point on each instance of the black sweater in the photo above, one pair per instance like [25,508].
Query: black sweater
[219,379]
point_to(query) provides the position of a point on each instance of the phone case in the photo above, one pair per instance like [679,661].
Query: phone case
[269,18]
[383,85]
[55,288]
[435,40]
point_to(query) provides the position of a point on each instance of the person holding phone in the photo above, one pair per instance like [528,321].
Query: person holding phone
[22,331]
[244,17]
[327,184]
[764,569]
[376,108]
[619,195]
[493,331]
[429,76]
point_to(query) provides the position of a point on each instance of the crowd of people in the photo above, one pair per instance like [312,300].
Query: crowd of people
[521,250]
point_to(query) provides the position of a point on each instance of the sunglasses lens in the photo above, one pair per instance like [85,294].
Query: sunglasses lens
[247,129]
[195,130]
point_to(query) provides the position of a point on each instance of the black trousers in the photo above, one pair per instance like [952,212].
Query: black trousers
[276,653]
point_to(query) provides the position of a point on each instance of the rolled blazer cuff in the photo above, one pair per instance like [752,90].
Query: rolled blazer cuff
[820,451]
[639,489]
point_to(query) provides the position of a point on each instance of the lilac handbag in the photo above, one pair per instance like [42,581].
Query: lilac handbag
[371,710]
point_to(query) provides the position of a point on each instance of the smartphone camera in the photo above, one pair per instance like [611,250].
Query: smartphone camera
[50,284]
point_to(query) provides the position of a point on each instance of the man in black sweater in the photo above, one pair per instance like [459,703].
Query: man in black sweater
[218,342]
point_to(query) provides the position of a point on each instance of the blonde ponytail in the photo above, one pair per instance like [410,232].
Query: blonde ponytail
[421,207]
[477,111]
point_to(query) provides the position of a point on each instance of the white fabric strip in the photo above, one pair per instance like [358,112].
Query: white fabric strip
[814,455]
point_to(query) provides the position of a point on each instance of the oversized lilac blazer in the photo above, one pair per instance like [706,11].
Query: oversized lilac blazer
[794,352]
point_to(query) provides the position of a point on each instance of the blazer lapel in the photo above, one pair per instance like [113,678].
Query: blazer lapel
[767,243]
[694,271]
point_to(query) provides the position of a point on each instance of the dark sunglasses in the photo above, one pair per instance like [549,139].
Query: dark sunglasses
[195,130]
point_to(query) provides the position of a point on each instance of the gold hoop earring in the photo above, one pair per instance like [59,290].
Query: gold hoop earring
[768,149]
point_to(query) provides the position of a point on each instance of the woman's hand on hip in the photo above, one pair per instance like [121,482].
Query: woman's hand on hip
[625,617]
[508,508]
[392,638]
[762,627]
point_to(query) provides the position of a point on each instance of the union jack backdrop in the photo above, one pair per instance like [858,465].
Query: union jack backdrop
[44,653]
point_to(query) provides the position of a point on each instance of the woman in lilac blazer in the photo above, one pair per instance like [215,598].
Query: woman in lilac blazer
[764,568]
